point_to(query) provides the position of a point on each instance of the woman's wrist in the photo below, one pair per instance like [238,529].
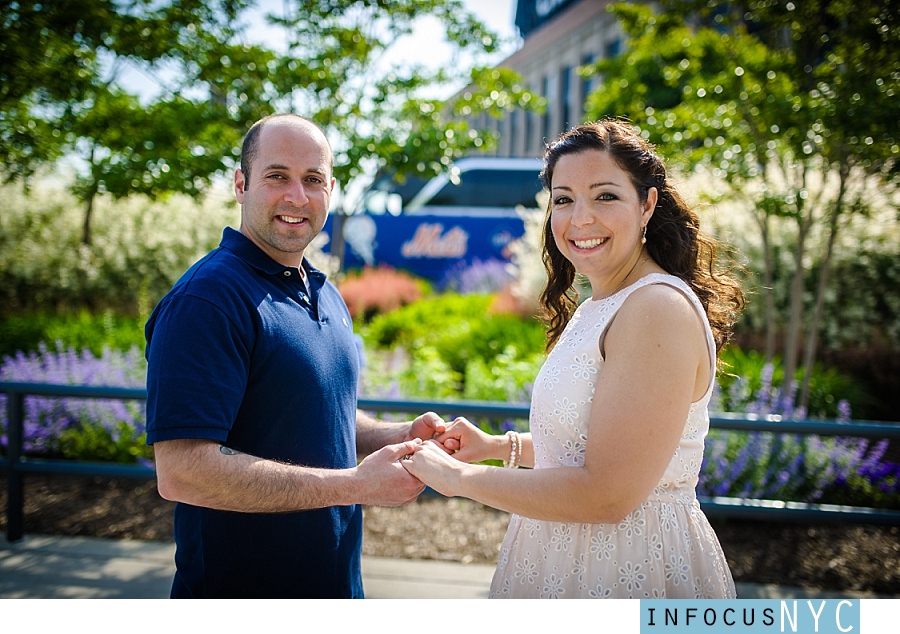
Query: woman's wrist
[500,448]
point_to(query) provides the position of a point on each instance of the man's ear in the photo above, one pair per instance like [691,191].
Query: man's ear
[240,185]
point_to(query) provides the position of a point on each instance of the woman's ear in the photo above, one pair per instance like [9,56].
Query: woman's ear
[649,205]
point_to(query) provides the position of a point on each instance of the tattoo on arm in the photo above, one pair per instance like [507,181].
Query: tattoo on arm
[228,451]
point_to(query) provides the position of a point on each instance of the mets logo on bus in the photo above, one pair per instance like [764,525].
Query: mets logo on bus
[429,241]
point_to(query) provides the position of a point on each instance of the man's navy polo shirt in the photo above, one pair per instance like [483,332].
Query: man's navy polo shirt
[239,353]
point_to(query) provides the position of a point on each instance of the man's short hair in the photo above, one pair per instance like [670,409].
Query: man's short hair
[250,146]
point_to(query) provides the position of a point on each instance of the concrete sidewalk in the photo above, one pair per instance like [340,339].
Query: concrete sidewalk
[40,567]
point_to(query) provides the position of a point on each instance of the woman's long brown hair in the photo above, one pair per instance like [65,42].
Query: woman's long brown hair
[674,239]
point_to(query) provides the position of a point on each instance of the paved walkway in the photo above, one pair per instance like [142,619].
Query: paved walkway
[39,567]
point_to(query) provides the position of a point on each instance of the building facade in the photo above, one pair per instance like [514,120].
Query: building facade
[559,37]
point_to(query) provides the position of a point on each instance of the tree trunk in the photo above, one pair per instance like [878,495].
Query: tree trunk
[768,286]
[813,330]
[763,216]
[338,244]
[795,319]
[88,210]
[89,199]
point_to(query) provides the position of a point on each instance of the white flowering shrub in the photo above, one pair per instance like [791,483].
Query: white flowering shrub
[862,303]
[139,248]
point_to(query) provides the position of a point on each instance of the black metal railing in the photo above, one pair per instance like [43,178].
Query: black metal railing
[16,465]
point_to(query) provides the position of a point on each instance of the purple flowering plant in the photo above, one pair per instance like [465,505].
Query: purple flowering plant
[759,465]
[794,467]
[79,428]
[479,277]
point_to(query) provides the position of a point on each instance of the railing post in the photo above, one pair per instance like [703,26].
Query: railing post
[15,499]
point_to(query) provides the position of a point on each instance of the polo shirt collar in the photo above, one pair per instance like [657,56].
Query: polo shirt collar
[244,248]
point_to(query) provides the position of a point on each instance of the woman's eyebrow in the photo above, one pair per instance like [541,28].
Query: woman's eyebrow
[593,186]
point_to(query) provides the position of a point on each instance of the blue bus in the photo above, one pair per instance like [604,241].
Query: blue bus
[428,227]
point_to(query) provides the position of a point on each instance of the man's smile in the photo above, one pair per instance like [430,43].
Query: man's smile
[291,220]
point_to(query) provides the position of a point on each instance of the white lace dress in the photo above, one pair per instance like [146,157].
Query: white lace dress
[665,548]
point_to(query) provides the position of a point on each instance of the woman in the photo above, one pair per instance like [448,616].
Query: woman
[619,409]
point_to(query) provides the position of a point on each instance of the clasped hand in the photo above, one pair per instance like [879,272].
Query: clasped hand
[439,462]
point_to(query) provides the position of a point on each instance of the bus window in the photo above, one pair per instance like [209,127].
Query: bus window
[490,188]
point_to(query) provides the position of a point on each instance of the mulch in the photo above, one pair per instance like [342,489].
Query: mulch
[831,557]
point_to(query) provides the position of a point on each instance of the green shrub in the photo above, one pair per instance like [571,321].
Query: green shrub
[22,334]
[419,319]
[82,331]
[458,327]
[509,377]
[430,376]
[450,347]
[95,443]
[747,383]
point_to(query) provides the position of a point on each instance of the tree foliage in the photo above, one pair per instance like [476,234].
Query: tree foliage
[792,104]
[379,113]
[64,62]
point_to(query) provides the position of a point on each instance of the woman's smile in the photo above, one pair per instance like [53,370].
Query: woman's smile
[597,216]
[589,244]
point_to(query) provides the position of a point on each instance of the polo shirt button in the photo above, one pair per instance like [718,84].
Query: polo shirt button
[287,273]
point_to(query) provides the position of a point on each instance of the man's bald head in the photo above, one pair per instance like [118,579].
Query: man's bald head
[250,147]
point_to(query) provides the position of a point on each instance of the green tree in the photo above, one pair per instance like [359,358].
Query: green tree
[62,93]
[791,104]
[62,66]
[388,116]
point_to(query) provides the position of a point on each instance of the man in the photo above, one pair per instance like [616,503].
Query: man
[251,390]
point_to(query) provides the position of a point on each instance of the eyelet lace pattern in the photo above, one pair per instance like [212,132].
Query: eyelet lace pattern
[665,548]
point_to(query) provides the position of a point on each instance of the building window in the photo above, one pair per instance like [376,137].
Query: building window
[587,83]
[566,98]
[512,131]
[497,135]
[551,84]
[613,48]
[527,132]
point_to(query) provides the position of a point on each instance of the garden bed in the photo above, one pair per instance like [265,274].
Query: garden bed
[835,557]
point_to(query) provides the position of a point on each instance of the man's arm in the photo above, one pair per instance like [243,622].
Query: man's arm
[373,434]
[204,473]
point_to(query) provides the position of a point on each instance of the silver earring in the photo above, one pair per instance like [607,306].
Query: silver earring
[644,234]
